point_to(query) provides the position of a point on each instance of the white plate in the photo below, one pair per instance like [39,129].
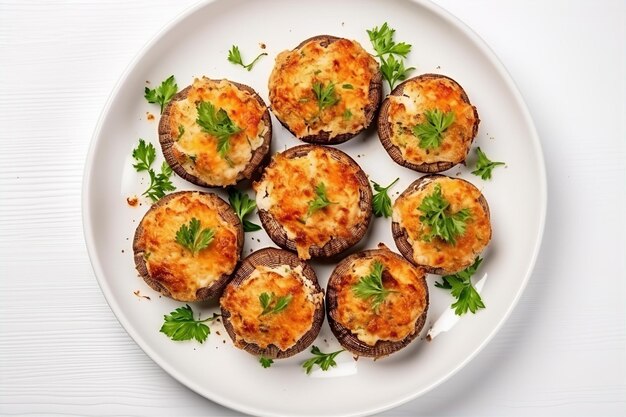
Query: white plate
[196,44]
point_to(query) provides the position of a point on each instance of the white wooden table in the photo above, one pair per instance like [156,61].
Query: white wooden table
[62,352]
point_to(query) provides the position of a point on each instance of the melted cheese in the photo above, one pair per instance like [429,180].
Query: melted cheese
[288,185]
[196,150]
[407,110]
[282,329]
[345,64]
[437,253]
[171,264]
[397,315]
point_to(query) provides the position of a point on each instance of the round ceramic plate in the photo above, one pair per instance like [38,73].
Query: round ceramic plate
[197,44]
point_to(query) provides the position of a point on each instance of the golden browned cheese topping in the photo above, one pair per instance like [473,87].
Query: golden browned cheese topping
[344,64]
[407,110]
[289,185]
[174,266]
[396,316]
[282,329]
[197,150]
[437,253]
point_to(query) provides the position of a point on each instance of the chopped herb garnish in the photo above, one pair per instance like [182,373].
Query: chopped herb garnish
[145,155]
[243,205]
[272,304]
[484,165]
[320,201]
[234,56]
[163,93]
[381,203]
[193,238]
[325,96]
[347,86]
[347,114]
[265,362]
[442,224]
[323,360]
[180,325]
[460,286]
[430,132]
[181,131]
[218,124]
[393,69]
[371,286]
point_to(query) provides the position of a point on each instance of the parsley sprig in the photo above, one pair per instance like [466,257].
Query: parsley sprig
[323,360]
[430,131]
[442,224]
[234,56]
[272,304]
[192,237]
[180,325]
[265,362]
[243,205]
[163,93]
[381,203]
[218,124]
[484,165]
[371,286]
[319,201]
[144,155]
[460,284]
[393,69]
[325,96]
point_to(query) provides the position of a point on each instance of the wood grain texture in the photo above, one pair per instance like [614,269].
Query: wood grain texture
[62,352]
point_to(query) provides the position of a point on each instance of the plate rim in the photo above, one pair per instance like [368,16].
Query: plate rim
[238,406]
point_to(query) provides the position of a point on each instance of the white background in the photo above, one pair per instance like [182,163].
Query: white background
[563,350]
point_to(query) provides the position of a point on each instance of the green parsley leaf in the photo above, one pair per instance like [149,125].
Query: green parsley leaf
[320,201]
[347,114]
[272,304]
[163,93]
[347,86]
[181,131]
[430,132]
[218,124]
[460,284]
[243,205]
[383,43]
[442,224]
[144,154]
[484,165]
[180,325]
[323,360]
[191,237]
[159,183]
[234,56]
[381,203]
[325,95]
[371,286]
[393,69]
[266,362]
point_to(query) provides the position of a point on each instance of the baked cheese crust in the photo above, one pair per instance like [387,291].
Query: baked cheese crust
[407,110]
[172,265]
[282,329]
[345,64]
[397,315]
[288,186]
[196,151]
[437,253]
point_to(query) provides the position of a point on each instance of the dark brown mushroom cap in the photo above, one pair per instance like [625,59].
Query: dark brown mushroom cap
[385,130]
[225,211]
[257,161]
[272,257]
[349,340]
[374,96]
[335,245]
[400,235]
